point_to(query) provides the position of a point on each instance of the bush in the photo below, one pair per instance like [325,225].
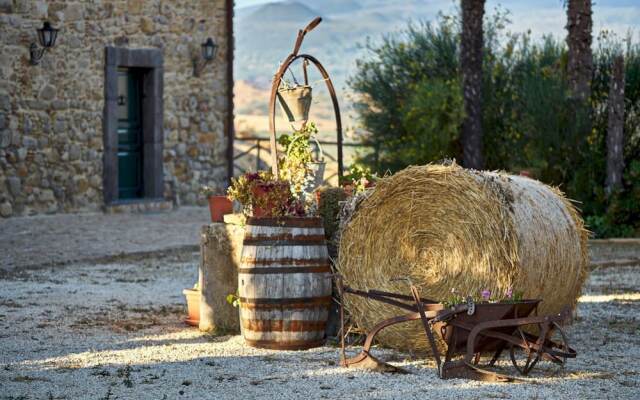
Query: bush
[411,107]
[329,208]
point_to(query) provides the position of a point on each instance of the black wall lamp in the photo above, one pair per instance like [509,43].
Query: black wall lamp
[208,53]
[47,37]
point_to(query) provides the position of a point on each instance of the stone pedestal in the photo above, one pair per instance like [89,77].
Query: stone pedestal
[220,251]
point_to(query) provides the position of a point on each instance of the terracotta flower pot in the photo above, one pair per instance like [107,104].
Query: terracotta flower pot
[193,306]
[219,206]
[348,189]
[274,197]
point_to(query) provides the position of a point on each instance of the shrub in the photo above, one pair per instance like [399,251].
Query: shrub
[410,104]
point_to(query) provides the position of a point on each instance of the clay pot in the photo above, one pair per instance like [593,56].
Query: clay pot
[219,206]
[279,193]
[193,306]
[348,189]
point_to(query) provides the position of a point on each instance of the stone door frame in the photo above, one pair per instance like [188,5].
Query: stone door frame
[151,62]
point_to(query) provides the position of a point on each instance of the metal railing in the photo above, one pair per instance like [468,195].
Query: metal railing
[260,146]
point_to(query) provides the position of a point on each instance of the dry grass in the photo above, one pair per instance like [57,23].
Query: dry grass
[446,227]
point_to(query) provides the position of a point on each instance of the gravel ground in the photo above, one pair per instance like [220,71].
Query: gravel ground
[115,331]
[64,238]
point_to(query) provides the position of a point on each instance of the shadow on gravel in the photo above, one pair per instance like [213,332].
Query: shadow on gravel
[128,344]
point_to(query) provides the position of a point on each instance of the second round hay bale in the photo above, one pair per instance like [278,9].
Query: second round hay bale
[446,227]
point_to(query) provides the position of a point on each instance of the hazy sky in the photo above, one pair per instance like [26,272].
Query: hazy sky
[547,16]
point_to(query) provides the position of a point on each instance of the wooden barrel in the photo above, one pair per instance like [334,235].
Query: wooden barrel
[284,283]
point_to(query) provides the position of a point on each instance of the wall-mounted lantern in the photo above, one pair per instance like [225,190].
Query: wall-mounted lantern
[47,37]
[208,53]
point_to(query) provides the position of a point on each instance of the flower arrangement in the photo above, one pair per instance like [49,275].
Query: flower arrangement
[486,296]
[294,163]
[358,179]
[261,194]
[207,191]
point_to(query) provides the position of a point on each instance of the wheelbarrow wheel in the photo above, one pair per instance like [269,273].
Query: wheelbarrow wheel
[524,357]
[556,346]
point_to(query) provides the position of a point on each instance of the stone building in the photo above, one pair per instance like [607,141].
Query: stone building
[114,115]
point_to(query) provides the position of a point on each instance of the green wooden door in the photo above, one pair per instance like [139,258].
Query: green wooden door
[129,134]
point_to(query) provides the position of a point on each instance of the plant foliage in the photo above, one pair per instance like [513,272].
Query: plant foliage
[410,105]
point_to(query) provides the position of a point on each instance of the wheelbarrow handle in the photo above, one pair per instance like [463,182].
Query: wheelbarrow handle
[447,314]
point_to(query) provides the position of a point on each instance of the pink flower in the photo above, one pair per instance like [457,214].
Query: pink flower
[252,176]
[486,294]
[509,293]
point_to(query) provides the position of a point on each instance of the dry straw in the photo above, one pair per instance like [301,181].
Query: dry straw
[446,227]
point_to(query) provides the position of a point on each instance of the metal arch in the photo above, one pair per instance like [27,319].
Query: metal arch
[291,58]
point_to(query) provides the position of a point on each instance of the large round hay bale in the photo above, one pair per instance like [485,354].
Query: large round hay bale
[447,227]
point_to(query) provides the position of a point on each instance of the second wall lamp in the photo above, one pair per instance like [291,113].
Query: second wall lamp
[47,37]
[208,51]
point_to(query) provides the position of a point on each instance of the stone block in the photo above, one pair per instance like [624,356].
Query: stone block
[22,6]
[220,252]
[47,93]
[6,6]
[80,183]
[15,185]
[6,210]
[135,6]
[60,126]
[47,195]
[147,26]
[5,138]
[40,9]
[21,154]
[74,12]
[59,104]
[74,152]
[5,102]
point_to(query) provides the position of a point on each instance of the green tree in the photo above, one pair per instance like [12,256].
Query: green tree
[409,99]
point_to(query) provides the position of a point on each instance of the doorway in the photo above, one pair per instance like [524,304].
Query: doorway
[130,150]
[132,125]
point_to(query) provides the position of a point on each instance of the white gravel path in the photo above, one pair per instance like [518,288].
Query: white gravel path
[47,240]
[115,331]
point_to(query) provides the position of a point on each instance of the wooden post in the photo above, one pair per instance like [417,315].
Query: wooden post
[220,251]
[471,47]
[615,127]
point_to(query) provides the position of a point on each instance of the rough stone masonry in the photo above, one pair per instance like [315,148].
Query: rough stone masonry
[52,142]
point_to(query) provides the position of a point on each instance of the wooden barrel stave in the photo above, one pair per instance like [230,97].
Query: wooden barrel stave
[277,254]
[284,283]
[284,286]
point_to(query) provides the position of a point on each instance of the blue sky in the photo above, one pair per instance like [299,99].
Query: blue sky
[548,16]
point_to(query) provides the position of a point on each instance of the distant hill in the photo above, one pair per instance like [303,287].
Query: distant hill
[333,6]
[279,13]
[265,34]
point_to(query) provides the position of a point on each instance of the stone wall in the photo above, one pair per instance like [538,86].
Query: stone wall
[51,134]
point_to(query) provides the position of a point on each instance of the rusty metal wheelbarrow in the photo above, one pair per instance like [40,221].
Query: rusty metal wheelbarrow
[469,331]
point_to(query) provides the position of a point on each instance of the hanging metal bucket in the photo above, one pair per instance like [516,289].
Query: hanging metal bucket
[316,169]
[295,103]
[316,175]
